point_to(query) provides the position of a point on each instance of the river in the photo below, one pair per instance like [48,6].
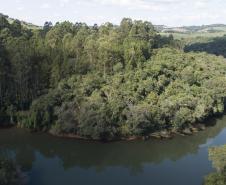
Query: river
[56,161]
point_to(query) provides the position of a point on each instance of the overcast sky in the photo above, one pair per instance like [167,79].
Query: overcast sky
[168,12]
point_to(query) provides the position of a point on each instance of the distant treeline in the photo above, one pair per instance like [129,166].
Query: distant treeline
[216,46]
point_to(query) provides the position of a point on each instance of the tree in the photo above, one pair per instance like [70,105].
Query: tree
[16,28]
[217,155]
[47,26]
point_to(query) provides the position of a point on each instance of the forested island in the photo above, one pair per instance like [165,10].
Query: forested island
[105,82]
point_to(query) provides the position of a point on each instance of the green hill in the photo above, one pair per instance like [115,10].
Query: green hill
[24,23]
[191,33]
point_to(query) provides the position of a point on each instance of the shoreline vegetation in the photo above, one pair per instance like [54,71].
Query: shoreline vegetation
[106,82]
[218,157]
[158,135]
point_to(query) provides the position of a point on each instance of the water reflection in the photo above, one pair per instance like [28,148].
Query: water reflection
[72,161]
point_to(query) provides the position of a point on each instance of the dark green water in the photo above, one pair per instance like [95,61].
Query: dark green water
[56,161]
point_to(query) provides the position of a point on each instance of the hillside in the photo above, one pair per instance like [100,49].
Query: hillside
[191,34]
[193,29]
[23,23]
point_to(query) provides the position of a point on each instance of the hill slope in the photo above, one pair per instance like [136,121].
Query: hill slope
[24,23]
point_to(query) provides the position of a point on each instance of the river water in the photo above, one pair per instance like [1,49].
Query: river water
[56,161]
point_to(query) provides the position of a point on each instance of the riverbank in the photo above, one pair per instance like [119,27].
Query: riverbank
[159,135]
[164,134]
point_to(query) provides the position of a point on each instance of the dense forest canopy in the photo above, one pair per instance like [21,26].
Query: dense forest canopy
[104,82]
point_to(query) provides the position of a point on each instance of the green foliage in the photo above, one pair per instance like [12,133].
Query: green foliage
[215,179]
[162,94]
[214,45]
[104,82]
[96,120]
[218,156]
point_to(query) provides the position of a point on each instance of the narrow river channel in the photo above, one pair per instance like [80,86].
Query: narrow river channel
[56,161]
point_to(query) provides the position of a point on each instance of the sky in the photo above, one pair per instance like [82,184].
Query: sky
[160,12]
